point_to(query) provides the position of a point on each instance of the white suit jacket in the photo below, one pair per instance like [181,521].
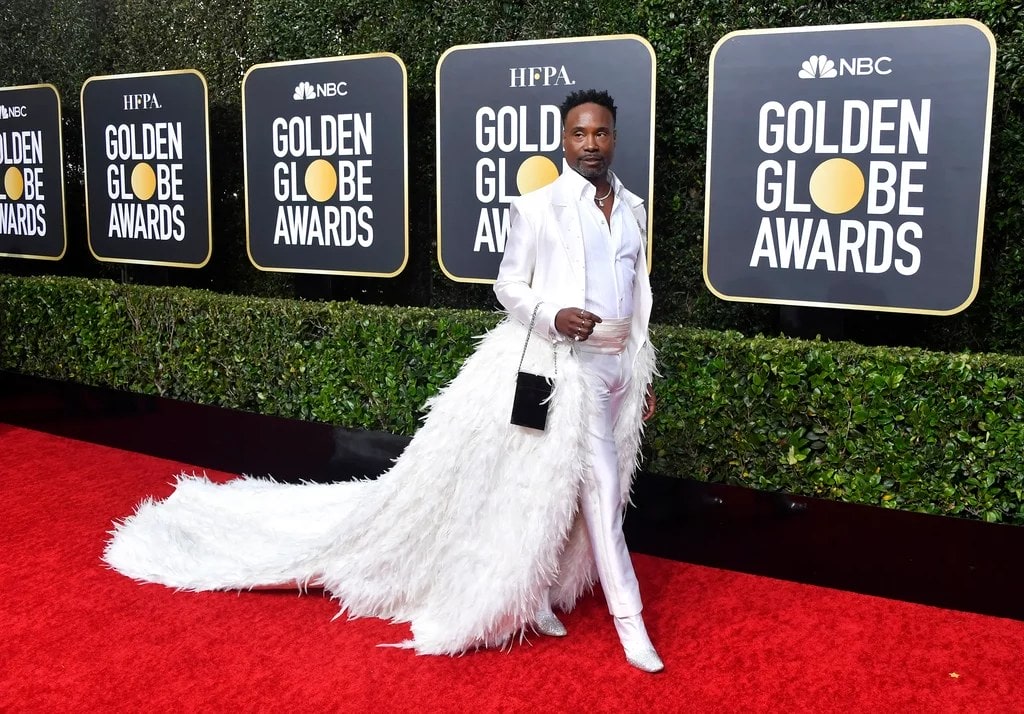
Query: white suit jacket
[544,259]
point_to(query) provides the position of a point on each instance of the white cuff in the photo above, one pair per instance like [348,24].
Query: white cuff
[546,316]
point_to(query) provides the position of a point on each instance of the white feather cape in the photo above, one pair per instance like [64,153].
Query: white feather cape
[460,538]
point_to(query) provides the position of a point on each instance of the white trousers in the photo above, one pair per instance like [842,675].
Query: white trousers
[607,378]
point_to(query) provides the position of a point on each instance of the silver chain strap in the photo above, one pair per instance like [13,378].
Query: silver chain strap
[529,331]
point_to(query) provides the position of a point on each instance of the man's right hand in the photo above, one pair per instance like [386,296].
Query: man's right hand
[576,323]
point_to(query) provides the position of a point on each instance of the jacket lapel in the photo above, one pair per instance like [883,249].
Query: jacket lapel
[570,233]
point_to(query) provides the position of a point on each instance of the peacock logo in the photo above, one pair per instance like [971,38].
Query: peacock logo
[304,91]
[817,67]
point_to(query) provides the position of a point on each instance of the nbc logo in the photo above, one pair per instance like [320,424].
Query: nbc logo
[817,66]
[821,67]
[13,112]
[304,91]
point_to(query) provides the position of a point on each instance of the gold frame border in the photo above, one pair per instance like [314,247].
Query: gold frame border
[984,161]
[405,158]
[60,153]
[209,187]
[550,41]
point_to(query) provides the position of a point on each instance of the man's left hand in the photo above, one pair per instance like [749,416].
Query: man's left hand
[651,403]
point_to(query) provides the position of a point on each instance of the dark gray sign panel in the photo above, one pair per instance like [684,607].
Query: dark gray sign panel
[847,165]
[147,168]
[499,133]
[32,223]
[326,180]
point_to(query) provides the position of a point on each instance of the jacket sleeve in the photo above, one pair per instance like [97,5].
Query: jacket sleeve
[514,285]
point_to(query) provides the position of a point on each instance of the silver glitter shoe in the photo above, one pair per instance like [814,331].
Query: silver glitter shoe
[648,661]
[636,644]
[546,623]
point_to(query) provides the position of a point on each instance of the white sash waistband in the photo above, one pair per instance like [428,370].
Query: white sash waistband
[609,337]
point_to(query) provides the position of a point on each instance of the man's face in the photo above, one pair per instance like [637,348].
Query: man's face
[589,138]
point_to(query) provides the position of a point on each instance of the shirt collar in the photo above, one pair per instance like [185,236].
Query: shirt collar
[581,187]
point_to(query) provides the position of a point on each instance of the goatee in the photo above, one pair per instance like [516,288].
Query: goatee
[591,170]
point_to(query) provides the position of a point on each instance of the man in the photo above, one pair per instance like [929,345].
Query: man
[574,264]
[474,532]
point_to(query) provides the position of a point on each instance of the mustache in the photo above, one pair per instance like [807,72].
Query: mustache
[596,166]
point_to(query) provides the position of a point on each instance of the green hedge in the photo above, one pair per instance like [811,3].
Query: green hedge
[66,41]
[909,429]
[338,362]
[902,428]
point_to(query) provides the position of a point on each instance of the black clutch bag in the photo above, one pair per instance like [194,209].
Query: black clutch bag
[530,405]
[533,391]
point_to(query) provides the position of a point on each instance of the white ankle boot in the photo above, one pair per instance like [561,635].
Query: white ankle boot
[637,645]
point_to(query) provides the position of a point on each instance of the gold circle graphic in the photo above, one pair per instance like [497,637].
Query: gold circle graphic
[143,181]
[837,186]
[14,183]
[321,180]
[536,172]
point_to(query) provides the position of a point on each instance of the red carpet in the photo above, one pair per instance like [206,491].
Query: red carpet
[80,638]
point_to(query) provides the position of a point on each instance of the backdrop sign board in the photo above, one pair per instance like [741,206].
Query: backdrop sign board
[326,156]
[847,165]
[499,133]
[32,223]
[147,168]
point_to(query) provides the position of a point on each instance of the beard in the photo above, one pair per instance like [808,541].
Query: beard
[590,170]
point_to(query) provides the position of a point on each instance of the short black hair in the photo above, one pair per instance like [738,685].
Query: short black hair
[588,96]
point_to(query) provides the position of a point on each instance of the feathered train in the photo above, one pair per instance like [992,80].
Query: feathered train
[460,538]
